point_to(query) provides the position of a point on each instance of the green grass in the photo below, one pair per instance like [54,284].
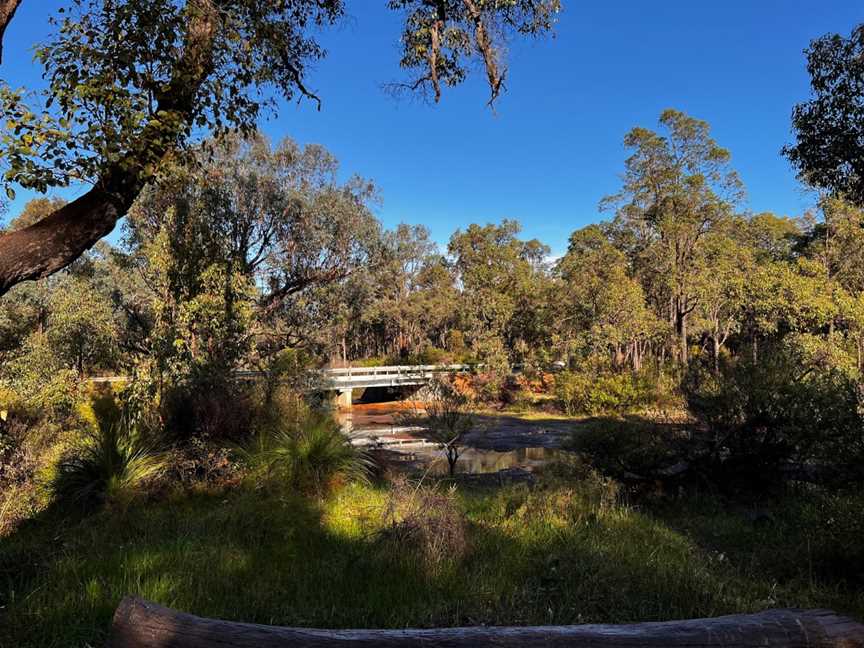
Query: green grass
[554,554]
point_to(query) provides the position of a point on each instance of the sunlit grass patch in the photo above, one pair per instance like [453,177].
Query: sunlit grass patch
[556,553]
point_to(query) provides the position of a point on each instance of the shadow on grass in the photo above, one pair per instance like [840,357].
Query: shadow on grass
[536,556]
[244,556]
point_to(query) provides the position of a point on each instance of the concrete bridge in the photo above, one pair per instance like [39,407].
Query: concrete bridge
[343,381]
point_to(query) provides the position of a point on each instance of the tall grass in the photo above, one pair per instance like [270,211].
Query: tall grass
[307,452]
[562,552]
[111,464]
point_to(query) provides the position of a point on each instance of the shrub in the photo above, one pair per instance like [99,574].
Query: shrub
[630,448]
[309,453]
[201,464]
[42,384]
[428,521]
[516,393]
[777,419]
[446,418]
[598,493]
[585,393]
[101,407]
[216,410]
[112,464]
[482,386]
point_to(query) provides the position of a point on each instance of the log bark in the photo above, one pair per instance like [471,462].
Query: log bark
[141,624]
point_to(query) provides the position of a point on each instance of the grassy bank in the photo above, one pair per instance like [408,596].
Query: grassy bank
[560,553]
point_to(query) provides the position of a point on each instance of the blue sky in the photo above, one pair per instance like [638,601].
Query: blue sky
[554,146]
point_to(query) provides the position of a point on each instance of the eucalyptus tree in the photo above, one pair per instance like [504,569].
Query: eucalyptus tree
[770,237]
[396,314]
[495,270]
[252,226]
[728,264]
[676,188]
[276,214]
[131,81]
[833,243]
[601,303]
[828,152]
[834,236]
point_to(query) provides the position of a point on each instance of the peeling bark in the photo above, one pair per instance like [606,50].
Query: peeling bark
[487,50]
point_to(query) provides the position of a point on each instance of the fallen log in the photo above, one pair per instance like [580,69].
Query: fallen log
[141,624]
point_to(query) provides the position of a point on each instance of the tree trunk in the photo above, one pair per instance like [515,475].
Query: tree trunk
[716,345]
[140,624]
[681,330]
[684,350]
[7,12]
[61,237]
[452,458]
[617,357]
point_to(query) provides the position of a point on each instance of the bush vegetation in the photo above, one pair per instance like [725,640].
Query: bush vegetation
[569,550]
[111,465]
[714,362]
[610,393]
[308,453]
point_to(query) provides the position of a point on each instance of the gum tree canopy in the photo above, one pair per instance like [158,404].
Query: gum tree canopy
[828,151]
[129,81]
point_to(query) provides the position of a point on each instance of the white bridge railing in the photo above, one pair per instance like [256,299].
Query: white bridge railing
[398,370]
[346,377]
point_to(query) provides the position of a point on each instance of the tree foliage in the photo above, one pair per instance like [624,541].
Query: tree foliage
[829,149]
[116,105]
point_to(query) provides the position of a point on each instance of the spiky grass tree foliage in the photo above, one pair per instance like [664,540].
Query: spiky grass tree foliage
[111,465]
[309,453]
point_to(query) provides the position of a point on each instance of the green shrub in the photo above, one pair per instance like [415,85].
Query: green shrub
[777,419]
[217,409]
[111,464]
[585,393]
[425,356]
[309,453]
[629,448]
[41,382]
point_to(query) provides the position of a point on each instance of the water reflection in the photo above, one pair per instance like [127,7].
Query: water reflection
[378,424]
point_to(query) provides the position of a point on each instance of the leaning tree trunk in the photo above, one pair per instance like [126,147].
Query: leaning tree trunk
[58,239]
[139,624]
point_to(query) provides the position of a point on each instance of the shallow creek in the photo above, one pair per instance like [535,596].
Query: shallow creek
[498,442]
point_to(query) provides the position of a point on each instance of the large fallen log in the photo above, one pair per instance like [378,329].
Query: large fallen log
[141,624]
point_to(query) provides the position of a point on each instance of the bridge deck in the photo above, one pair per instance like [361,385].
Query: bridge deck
[346,378]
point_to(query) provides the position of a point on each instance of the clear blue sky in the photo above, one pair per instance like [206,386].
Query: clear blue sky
[554,148]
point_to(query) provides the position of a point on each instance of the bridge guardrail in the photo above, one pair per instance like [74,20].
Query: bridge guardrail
[342,374]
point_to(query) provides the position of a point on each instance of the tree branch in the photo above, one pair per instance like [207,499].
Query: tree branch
[58,239]
[7,12]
